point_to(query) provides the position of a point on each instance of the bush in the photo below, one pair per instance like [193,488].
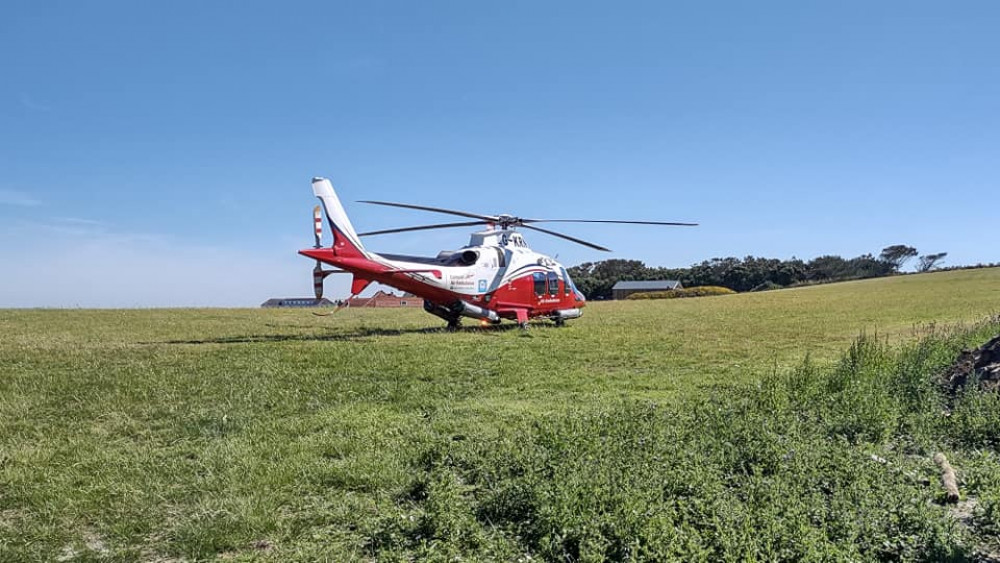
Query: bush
[816,464]
[700,291]
[767,286]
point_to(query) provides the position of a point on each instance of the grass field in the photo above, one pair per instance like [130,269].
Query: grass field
[693,429]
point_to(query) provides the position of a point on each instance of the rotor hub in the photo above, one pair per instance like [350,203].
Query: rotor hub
[506,221]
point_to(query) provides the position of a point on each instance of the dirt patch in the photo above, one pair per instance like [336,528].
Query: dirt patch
[982,364]
[261,546]
[964,511]
[95,543]
[92,544]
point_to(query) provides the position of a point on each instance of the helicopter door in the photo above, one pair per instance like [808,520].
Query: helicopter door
[553,284]
[540,283]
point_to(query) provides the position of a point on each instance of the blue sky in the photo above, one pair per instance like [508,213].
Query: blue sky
[159,154]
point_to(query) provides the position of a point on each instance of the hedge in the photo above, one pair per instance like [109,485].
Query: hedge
[699,291]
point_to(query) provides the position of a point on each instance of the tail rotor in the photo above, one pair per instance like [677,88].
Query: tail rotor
[319,274]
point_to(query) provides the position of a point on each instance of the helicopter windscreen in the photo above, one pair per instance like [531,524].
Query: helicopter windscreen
[570,285]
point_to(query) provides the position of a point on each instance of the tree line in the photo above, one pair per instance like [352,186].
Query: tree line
[595,279]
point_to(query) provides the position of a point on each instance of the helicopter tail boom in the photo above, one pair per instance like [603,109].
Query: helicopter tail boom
[346,242]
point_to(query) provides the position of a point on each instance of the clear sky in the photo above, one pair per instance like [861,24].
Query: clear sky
[159,153]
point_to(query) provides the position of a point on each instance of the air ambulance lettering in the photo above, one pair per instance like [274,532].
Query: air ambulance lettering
[463,281]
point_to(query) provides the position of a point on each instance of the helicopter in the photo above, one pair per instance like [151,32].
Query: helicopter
[496,276]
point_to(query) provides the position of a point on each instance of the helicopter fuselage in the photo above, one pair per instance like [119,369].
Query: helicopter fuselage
[496,276]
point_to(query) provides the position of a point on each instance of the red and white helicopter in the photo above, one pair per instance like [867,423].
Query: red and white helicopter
[496,276]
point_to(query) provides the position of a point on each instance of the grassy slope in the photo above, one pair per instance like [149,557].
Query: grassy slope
[172,433]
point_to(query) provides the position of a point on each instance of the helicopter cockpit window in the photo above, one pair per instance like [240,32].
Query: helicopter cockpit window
[539,279]
[567,285]
[553,283]
[571,286]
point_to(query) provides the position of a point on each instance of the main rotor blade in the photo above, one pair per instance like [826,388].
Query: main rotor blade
[567,237]
[425,227]
[434,209]
[674,224]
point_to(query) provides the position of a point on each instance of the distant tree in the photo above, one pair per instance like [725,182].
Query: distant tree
[867,266]
[897,255]
[583,278]
[619,269]
[595,280]
[928,261]
[825,268]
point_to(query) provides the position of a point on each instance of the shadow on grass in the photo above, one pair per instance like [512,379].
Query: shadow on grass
[358,334]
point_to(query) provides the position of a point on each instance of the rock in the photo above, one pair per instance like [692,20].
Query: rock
[982,362]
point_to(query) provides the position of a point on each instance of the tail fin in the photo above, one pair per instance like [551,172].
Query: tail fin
[345,239]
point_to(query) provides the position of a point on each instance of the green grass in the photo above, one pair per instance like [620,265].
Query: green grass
[647,429]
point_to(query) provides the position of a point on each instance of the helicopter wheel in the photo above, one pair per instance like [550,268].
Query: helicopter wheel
[560,322]
[523,326]
[454,325]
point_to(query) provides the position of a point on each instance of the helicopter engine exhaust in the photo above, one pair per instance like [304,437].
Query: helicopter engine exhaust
[470,310]
[564,314]
[461,308]
[468,258]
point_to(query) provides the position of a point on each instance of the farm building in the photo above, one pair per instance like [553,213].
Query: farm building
[296,302]
[386,299]
[623,289]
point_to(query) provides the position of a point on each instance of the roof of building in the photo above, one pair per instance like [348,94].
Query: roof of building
[297,302]
[648,285]
[381,295]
